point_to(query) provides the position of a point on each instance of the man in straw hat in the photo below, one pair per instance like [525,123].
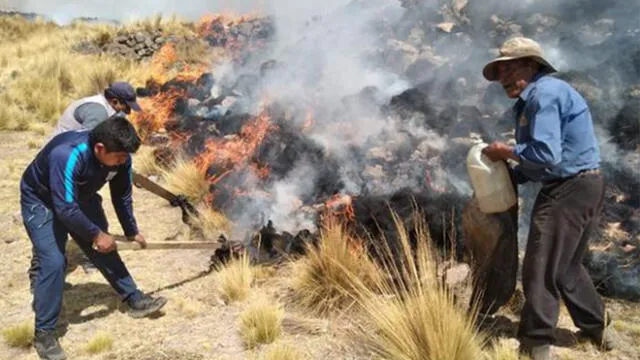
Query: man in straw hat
[557,146]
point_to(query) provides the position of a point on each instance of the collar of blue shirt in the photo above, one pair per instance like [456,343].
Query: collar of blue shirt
[532,84]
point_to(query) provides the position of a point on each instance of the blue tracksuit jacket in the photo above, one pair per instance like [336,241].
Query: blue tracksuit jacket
[66,172]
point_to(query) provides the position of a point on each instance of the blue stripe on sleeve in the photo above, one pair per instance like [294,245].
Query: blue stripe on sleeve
[68,171]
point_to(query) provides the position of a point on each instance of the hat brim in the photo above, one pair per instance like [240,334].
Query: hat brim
[134,105]
[490,70]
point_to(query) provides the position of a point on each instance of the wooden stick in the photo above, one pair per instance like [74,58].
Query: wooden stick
[124,244]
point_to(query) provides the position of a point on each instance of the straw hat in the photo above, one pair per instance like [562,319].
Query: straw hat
[517,48]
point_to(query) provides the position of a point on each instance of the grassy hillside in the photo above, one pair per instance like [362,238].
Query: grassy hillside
[41,71]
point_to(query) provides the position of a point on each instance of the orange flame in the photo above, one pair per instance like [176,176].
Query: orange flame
[341,206]
[309,121]
[232,152]
[162,60]
[157,111]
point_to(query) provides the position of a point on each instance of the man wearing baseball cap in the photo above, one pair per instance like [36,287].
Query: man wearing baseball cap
[555,145]
[86,113]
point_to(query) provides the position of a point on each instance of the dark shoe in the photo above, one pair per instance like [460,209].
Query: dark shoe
[540,352]
[145,306]
[604,340]
[47,345]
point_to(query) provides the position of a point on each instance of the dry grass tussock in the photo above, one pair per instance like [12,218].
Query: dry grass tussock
[211,223]
[324,278]
[144,161]
[19,336]
[414,316]
[261,322]
[100,343]
[183,177]
[235,278]
[283,352]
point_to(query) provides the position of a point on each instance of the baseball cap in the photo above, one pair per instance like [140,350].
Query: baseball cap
[125,92]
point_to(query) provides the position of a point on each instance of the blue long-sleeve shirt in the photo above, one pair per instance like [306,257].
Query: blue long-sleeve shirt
[66,172]
[554,131]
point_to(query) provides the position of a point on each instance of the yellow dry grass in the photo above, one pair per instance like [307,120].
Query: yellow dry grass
[414,316]
[623,326]
[283,352]
[183,177]
[100,343]
[19,336]
[189,308]
[144,161]
[321,284]
[172,24]
[235,278]
[261,322]
[211,223]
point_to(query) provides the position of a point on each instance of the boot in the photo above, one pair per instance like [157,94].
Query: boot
[604,339]
[538,352]
[145,306]
[47,345]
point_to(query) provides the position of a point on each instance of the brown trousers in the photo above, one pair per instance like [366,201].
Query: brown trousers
[564,214]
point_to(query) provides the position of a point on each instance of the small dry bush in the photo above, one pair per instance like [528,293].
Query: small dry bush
[235,278]
[183,177]
[100,343]
[261,322]
[414,316]
[283,352]
[321,284]
[19,335]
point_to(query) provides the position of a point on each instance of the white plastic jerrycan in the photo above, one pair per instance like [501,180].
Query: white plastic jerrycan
[491,181]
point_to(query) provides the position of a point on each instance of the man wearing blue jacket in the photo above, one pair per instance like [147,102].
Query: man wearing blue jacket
[557,146]
[59,198]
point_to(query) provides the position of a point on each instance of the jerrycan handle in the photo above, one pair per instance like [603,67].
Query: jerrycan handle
[477,156]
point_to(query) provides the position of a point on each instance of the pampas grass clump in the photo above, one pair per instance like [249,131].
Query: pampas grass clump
[261,323]
[19,335]
[235,278]
[321,284]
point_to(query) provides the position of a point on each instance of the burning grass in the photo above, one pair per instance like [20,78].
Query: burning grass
[414,316]
[19,336]
[261,322]
[325,277]
[184,178]
[144,161]
[211,223]
[235,278]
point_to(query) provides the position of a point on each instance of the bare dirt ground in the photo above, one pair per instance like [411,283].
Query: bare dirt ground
[196,323]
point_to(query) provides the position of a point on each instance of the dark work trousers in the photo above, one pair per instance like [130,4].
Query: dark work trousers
[49,237]
[564,214]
